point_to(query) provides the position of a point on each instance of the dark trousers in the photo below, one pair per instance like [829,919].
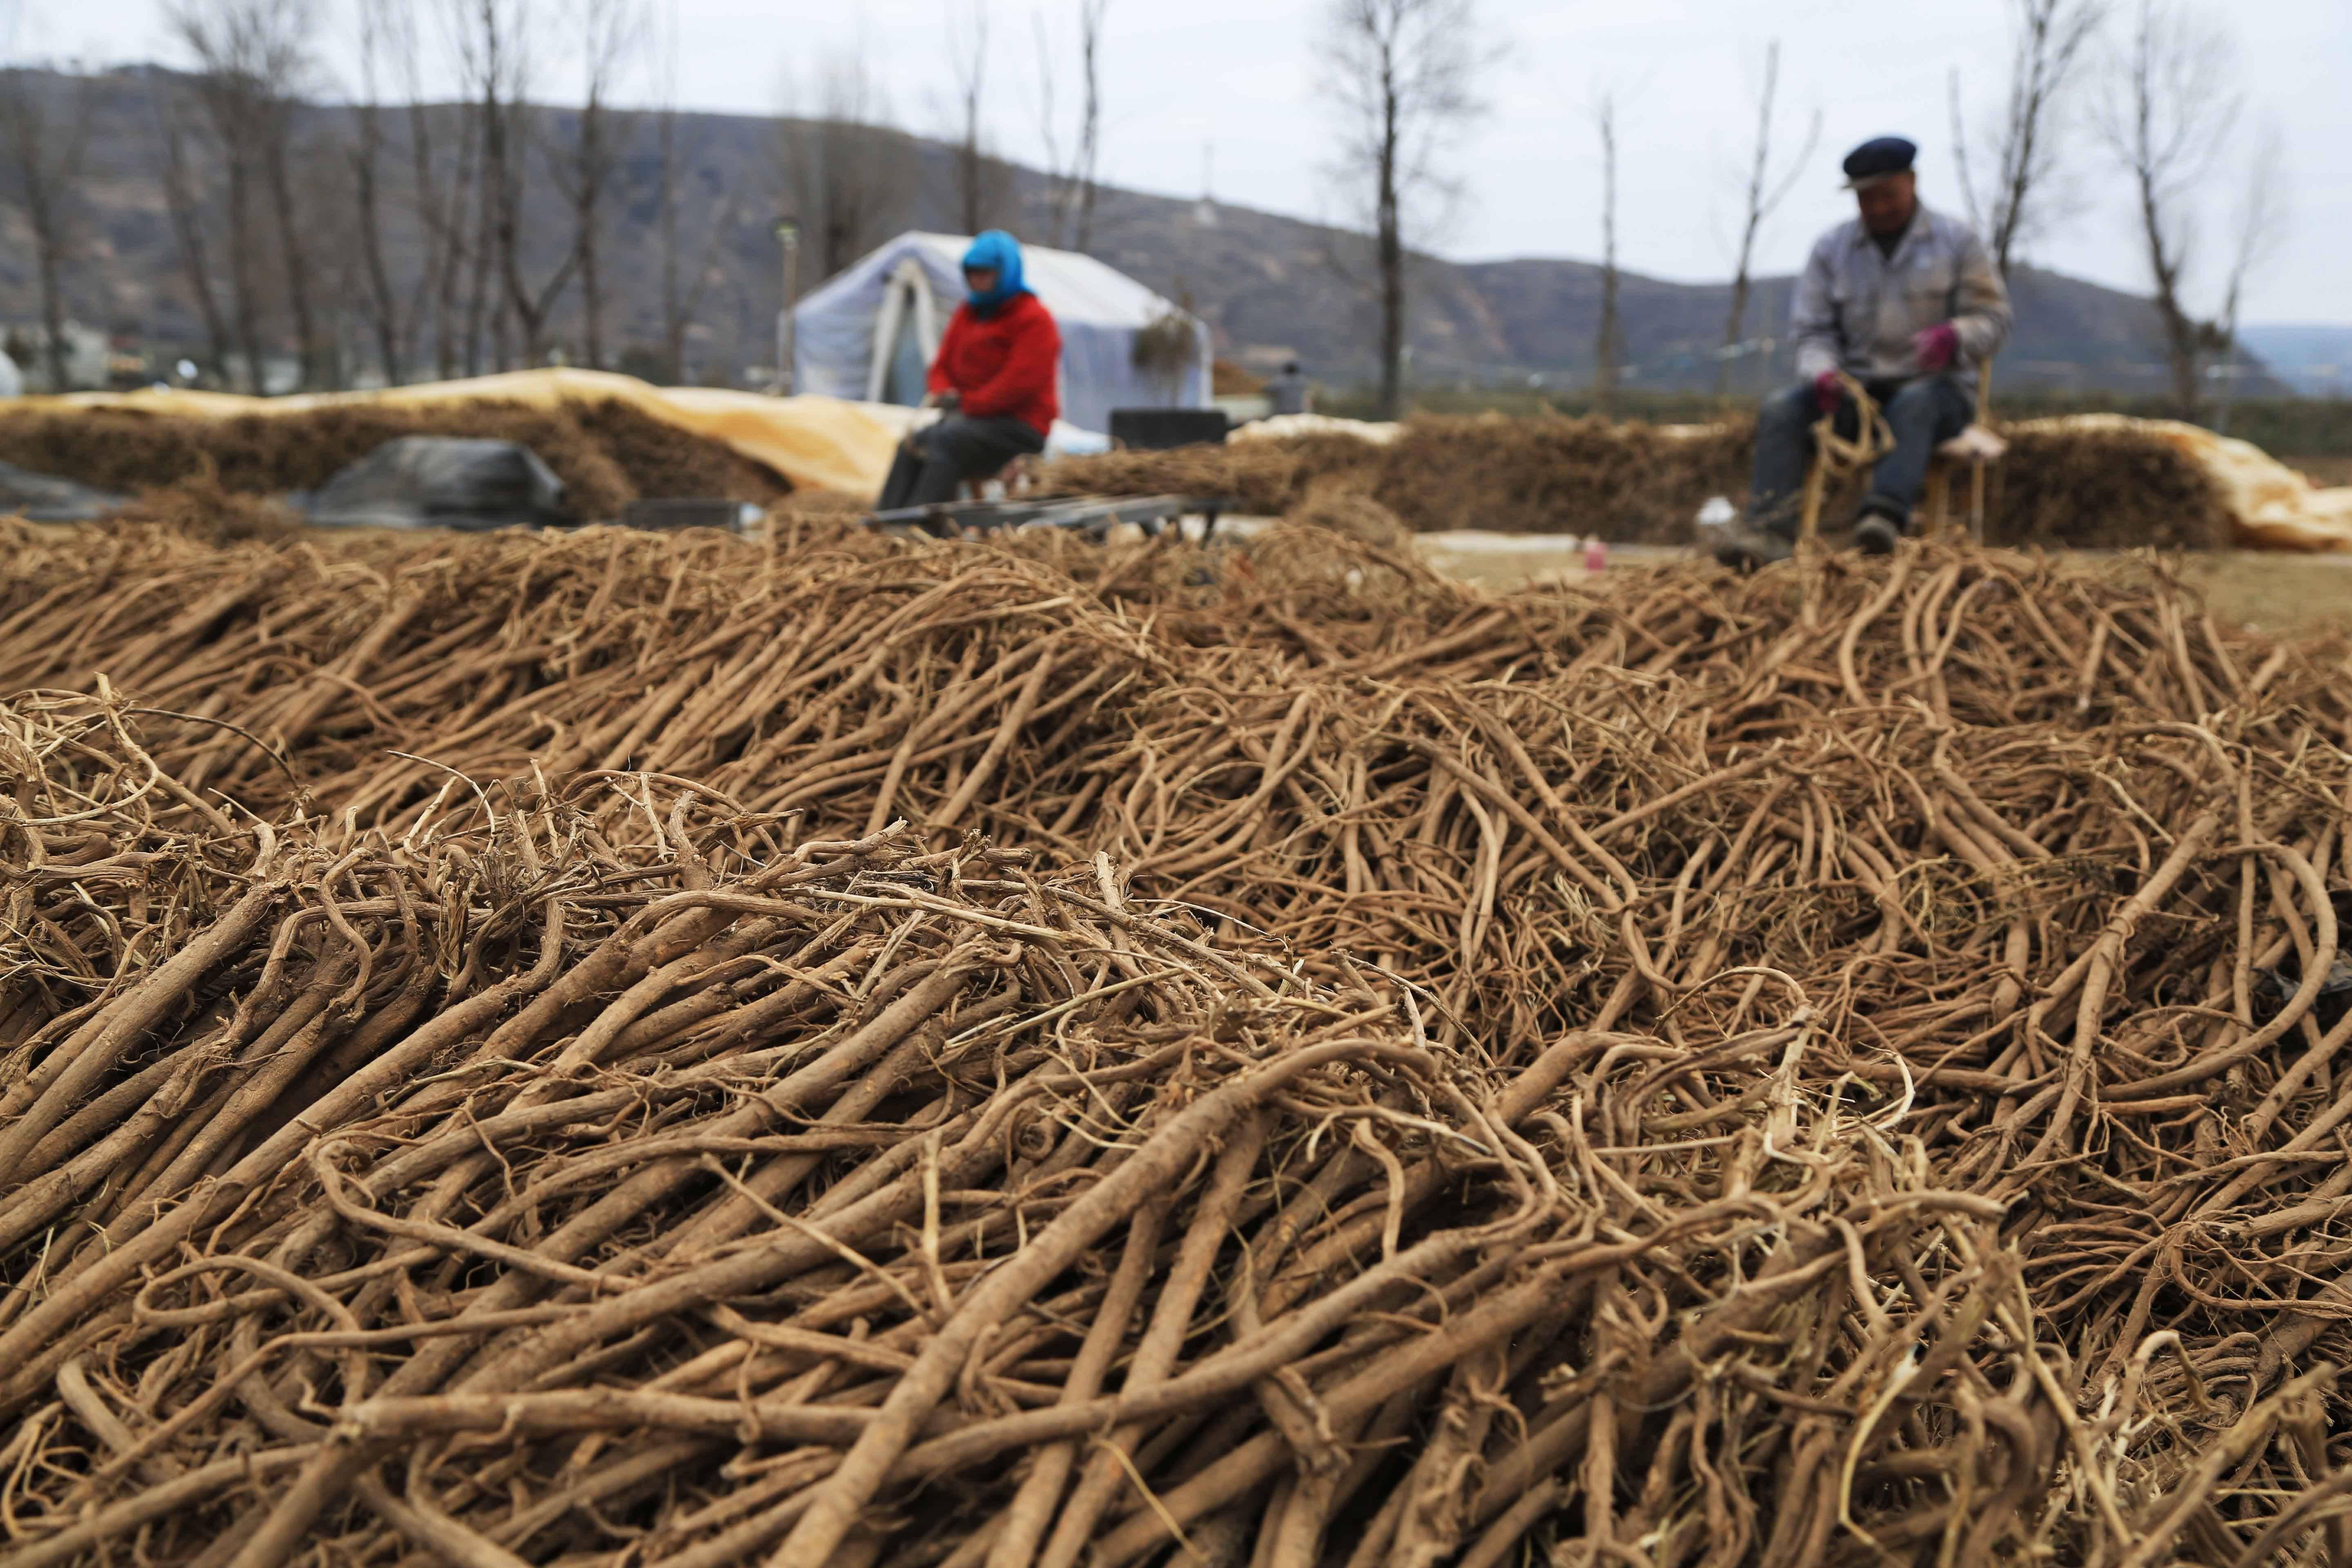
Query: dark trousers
[1921,413]
[959,448]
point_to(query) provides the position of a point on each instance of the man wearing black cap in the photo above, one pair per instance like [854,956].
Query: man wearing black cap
[1904,300]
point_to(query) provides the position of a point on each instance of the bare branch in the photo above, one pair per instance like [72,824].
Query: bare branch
[44,131]
[1089,151]
[850,169]
[1608,345]
[2260,219]
[981,181]
[1061,190]
[184,201]
[1071,182]
[611,33]
[2050,43]
[381,21]
[2169,112]
[1400,74]
[255,59]
[1960,153]
[1765,192]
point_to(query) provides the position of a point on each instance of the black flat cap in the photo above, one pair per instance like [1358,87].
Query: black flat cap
[1877,158]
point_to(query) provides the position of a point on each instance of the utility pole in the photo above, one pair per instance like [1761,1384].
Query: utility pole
[788,237]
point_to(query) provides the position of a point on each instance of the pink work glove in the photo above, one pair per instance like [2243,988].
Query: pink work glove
[1937,346]
[1828,391]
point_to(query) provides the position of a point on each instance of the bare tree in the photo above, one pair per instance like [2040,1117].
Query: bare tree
[1401,73]
[611,34]
[848,169]
[225,100]
[44,128]
[379,21]
[1765,192]
[184,201]
[1088,160]
[683,286]
[684,283]
[1608,344]
[2258,219]
[2171,111]
[1074,179]
[255,56]
[2048,45]
[967,55]
[493,51]
[440,206]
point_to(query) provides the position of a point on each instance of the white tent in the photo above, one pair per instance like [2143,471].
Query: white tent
[871,332]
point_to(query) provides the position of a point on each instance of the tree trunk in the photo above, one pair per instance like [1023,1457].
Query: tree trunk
[317,363]
[2183,360]
[2179,331]
[593,171]
[1389,238]
[386,304]
[240,266]
[48,246]
[1733,328]
[1090,125]
[1607,348]
[454,253]
[478,282]
[591,288]
[498,155]
[673,318]
[187,231]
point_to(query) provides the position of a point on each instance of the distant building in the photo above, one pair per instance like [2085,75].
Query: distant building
[88,356]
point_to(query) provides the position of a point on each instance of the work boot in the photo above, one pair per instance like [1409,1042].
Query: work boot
[1745,546]
[1881,526]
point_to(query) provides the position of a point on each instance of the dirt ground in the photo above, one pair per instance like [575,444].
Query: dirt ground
[2267,590]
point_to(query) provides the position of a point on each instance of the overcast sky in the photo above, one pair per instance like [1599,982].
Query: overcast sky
[1233,83]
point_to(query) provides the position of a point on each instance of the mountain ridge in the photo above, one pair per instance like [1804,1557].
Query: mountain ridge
[1269,285]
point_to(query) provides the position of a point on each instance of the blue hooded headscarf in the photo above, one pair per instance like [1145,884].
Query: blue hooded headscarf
[1000,250]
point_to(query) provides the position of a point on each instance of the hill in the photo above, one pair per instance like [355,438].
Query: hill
[2315,360]
[1270,285]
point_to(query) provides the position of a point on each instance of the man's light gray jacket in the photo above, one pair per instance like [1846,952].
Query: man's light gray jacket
[1857,309]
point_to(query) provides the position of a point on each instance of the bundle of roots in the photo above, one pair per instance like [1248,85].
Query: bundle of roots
[652,1051]
[2119,488]
[607,454]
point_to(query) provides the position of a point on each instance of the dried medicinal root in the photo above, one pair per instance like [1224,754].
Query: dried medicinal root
[653,1050]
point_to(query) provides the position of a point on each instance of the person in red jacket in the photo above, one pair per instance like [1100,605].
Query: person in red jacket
[995,377]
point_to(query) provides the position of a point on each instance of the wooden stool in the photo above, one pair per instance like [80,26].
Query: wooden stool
[1977,448]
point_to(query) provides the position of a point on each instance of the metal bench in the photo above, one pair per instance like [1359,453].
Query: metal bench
[1093,515]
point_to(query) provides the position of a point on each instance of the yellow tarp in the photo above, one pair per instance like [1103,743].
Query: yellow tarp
[2274,508]
[826,443]
[818,443]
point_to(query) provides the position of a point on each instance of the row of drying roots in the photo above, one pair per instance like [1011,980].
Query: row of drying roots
[673,1051]
[2116,489]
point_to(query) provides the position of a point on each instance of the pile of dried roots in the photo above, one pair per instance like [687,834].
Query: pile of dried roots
[1631,481]
[606,454]
[645,1050]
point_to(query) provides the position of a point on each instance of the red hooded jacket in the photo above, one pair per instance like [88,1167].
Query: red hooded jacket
[1006,363]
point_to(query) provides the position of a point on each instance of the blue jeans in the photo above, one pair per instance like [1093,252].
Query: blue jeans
[1922,413]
